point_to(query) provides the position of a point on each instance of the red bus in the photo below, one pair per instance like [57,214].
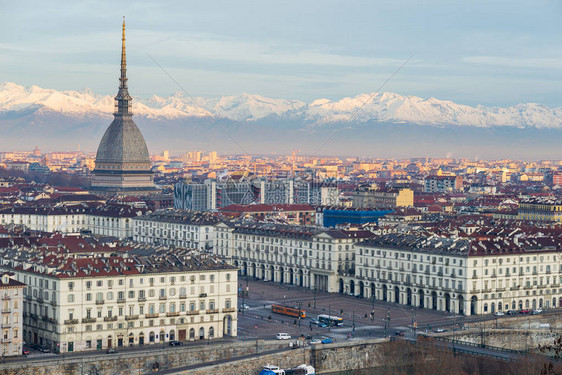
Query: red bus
[289,311]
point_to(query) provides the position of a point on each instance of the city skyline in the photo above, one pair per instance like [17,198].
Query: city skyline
[498,55]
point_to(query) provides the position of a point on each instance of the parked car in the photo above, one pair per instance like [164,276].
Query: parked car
[316,341]
[175,343]
[524,311]
[439,330]
[536,311]
[313,321]
[111,351]
[283,336]
[399,333]
[244,306]
[43,349]
[327,340]
[511,312]
[322,325]
[499,313]
[24,351]
[35,346]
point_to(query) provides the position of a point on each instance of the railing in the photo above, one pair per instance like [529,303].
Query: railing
[120,300]
[6,325]
[6,310]
[6,297]
[212,311]
[183,296]
[193,312]
[88,320]
[71,321]
[142,299]
[6,340]
[155,315]
[110,318]
[131,317]
[99,302]
[228,309]
[162,297]
[176,313]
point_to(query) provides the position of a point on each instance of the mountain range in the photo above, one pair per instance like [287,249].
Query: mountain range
[375,124]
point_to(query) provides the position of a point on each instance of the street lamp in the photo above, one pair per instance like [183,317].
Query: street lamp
[315,289]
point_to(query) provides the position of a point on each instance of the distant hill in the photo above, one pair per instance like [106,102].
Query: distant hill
[382,124]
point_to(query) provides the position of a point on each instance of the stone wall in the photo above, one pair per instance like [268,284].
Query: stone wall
[126,362]
[326,358]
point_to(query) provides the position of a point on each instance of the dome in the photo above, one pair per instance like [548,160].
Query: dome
[122,143]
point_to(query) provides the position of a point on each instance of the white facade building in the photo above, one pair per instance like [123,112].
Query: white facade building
[11,291]
[97,302]
[307,256]
[178,228]
[458,275]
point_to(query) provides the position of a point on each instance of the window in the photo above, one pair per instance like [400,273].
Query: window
[70,298]
[71,285]
[88,284]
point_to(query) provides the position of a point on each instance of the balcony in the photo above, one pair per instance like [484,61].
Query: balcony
[120,300]
[6,340]
[40,300]
[88,320]
[142,299]
[110,318]
[228,309]
[100,302]
[162,298]
[131,317]
[203,295]
[6,297]
[183,296]
[193,312]
[6,325]
[6,310]
[71,321]
[149,316]
[176,313]
[212,311]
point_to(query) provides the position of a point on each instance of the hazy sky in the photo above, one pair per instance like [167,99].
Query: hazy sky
[472,52]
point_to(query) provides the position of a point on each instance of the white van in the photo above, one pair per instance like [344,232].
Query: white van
[283,336]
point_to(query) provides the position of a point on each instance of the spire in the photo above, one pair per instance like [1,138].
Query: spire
[123,99]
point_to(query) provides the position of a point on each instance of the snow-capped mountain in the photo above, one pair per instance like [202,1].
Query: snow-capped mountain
[375,107]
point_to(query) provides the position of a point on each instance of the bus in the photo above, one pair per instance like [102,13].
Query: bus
[289,311]
[330,320]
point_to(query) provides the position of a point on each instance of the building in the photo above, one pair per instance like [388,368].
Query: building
[112,299]
[105,220]
[442,184]
[306,256]
[113,220]
[334,215]
[122,161]
[298,214]
[216,194]
[464,276]
[540,209]
[177,228]
[12,314]
[46,218]
[374,196]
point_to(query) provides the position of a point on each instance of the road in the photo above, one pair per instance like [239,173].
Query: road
[255,322]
